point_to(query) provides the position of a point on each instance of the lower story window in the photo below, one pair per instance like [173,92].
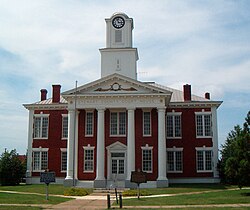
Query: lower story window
[63,161]
[88,160]
[40,160]
[204,160]
[174,161]
[147,159]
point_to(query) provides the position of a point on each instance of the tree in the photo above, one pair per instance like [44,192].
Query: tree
[234,165]
[12,170]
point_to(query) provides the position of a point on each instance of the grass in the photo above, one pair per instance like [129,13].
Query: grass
[180,188]
[222,197]
[11,198]
[20,208]
[54,189]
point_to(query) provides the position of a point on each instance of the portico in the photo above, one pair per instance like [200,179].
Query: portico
[118,156]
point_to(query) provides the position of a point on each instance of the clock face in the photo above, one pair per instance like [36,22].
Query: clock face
[118,22]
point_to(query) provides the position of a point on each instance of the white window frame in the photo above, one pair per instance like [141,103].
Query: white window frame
[64,116]
[63,150]
[175,150]
[87,123]
[203,114]
[39,150]
[41,116]
[204,150]
[173,115]
[148,123]
[88,148]
[118,112]
[147,148]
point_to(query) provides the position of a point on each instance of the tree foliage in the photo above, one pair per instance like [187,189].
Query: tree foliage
[12,170]
[234,165]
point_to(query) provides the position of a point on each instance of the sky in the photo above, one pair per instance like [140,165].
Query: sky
[205,43]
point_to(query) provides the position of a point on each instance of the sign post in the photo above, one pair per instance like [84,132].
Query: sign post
[138,177]
[47,178]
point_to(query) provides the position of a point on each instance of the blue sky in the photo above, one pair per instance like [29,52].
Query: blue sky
[203,43]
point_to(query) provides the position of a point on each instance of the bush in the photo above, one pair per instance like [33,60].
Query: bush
[12,170]
[76,192]
[128,193]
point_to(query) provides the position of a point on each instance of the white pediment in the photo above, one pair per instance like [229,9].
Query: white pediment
[116,84]
[117,146]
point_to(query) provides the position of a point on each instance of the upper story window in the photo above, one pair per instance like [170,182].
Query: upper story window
[146,123]
[89,123]
[173,124]
[203,124]
[64,126]
[118,123]
[41,126]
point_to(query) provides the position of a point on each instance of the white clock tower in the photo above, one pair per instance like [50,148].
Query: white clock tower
[119,56]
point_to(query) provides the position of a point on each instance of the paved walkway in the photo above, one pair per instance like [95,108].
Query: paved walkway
[99,201]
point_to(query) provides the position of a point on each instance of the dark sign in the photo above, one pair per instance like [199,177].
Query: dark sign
[47,177]
[138,177]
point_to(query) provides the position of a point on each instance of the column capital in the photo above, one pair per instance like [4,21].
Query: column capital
[161,109]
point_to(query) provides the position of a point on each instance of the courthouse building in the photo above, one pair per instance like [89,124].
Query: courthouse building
[96,134]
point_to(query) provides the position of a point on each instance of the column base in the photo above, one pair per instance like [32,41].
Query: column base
[28,180]
[69,183]
[100,183]
[162,183]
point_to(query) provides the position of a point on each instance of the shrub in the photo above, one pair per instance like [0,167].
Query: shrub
[128,193]
[76,192]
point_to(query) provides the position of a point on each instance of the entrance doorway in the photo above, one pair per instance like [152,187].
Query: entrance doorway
[117,166]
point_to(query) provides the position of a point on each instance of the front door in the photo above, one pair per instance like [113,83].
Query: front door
[118,165]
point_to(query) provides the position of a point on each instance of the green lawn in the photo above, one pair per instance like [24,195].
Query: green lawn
[222,197]
[55,189]
[184,188]
[11,198]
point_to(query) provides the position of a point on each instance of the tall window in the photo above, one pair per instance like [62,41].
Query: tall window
[64,126]
[173,125]
[118,36]
[146,123]
[88,159]
[41,125]
[40,160]
[147,159]
[204,160]
[63,160]
[89,123]
[203,124]
[174,160]
[118,123]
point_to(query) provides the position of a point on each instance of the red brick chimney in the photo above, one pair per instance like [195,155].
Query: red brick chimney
[207,96]
[187,92]
[43,94]
[56,93]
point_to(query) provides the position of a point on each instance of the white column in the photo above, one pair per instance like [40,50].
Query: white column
[29,152]
[100,146]
[215,141]
[70,146]
[161,146]
[76,145]
[131,143]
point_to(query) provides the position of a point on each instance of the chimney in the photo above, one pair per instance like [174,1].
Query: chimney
[207,96]
[187,92]
[43,94]
[56,93]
